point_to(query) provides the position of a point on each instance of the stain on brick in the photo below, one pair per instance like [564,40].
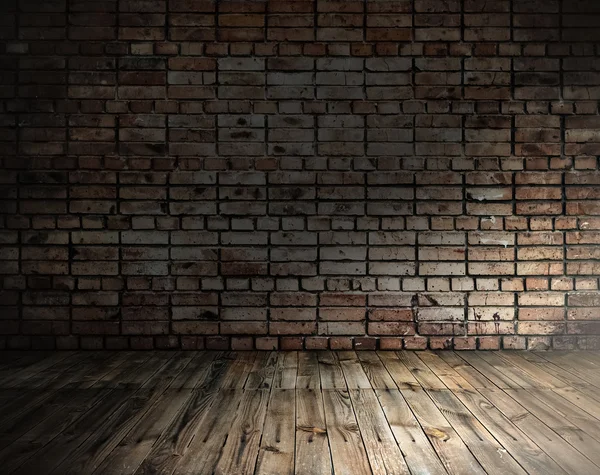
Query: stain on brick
[265,179]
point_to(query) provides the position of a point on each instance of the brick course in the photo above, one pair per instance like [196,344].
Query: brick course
[300,174]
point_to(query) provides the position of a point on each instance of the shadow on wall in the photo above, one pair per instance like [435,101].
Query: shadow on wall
[299,174]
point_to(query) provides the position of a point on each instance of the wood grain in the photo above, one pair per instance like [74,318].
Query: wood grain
[241,449]
[276,455]
[347,448]
[301,413]
[312,448]
[382,451]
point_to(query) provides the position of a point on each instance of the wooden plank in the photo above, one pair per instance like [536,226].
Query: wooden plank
[174,441]
[217,372]
[566,376]
[531,356]
[579,439]
[521,447]
[426,377]
[75,404]
[512,372]
[138,376]
[543,378]
[583,401]
[27,400]
[347,449]
[154,378]
[577,367]
[382,451]
[330,371]
[119,413]
[10,358]
[12,428]
[590,391]
[96,445]
[353,371]
[156,375]
[491,455]
[403,378]
[572,358]
[86,368]
[312,448]
[238,371]
[53,453]
[96,368]
[36,374]
[262,372]
[33,406]
[451,379]
[241,448]
[195,372]
[566,360]
[32,400]
[70,442]
[493,374]
[276,454]
[308,371]
[23,406]
[593,356]
[167,452]
[159,373]
[377,374]
[167,369]
[524,451]
[286,370]
[53,376]
[136,445]
[418,453]
[571,412]
[452,451]
[563,453]
[468,373]
[119,376]
[9,395]
[203,452]
[27,365]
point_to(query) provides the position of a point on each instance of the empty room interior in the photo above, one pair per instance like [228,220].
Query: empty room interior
[299,237]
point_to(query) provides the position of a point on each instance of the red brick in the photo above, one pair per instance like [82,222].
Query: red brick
[267,343]
[390,343]
[465,343]
[291,343]
[365,343]
[270,173]
[316,343]
[340,343]
[415,343]
[488,343]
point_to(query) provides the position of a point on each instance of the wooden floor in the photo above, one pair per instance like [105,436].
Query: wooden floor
[307,413]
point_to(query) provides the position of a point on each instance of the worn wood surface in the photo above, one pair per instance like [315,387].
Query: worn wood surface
[311,413]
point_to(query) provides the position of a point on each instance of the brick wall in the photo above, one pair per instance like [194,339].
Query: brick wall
[300,174]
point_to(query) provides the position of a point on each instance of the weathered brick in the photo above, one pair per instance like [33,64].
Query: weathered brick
[209,183]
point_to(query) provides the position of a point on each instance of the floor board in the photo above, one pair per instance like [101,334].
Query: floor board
[299,413]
